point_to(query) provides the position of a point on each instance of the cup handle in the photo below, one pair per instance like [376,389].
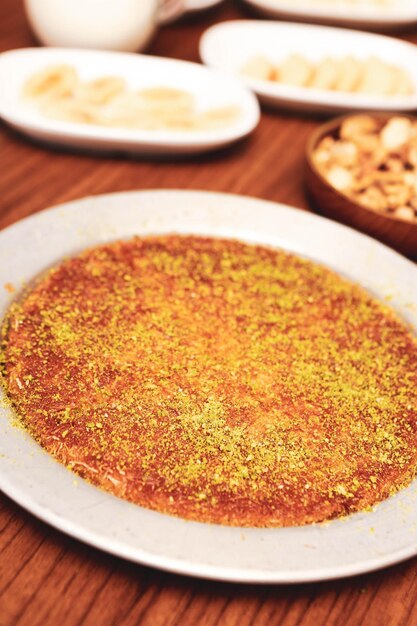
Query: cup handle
[170,10]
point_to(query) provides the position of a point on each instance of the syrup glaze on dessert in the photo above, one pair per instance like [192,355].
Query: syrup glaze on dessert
[216,381]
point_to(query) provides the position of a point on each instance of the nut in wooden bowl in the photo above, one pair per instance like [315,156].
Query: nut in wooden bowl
[362,171]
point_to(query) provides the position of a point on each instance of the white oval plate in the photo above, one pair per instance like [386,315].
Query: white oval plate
[211,89]
[399,13]
[228,46]
[31,477]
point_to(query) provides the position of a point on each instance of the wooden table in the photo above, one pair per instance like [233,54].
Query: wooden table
[48,579]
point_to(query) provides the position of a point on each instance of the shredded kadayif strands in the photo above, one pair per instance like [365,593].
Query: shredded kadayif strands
[216,381]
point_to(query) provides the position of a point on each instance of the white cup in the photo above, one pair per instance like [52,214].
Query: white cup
[125,25]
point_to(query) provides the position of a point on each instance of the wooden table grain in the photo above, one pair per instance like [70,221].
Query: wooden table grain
[48,579]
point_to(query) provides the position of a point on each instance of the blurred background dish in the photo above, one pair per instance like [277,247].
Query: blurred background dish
[230,46]
[381,205]
[370,14]
[209,90]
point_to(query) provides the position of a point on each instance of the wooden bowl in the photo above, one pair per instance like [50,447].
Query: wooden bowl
[392,231]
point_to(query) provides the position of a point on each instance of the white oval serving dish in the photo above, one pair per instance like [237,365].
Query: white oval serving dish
[228,46]
[210,88]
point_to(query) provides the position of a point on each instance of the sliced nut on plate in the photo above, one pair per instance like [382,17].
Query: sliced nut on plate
[326,75]
[294,71]
[370,76]
[259,68]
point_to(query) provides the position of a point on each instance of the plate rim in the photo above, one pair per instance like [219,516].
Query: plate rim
[208,572]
